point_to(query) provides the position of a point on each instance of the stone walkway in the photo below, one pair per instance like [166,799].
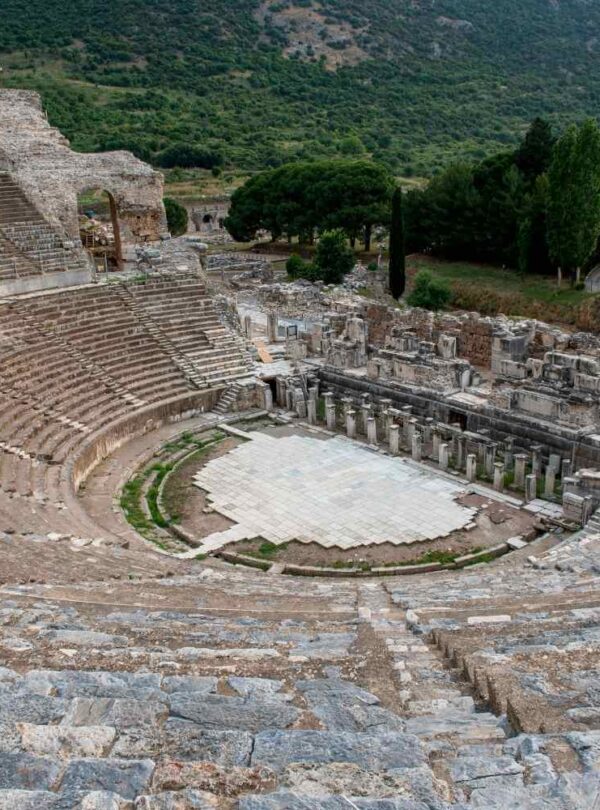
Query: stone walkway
[335,493]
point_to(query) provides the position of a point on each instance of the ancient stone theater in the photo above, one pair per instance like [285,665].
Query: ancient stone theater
[270,546]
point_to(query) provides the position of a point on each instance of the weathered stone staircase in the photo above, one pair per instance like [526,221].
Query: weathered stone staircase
[183,363]
[28,244]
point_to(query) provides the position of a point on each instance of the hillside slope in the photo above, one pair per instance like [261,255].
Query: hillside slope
[412,82]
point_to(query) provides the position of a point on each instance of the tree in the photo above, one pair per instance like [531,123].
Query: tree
[177,216]
[429,292]
[535,153]
[397,268]
[573,220]
[333,258]
[299,199]
[189,156]
[532,239]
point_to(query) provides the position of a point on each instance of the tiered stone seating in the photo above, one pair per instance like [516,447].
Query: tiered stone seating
[227,689]
[28,244]
[71,363]
[185,314]
[130,680]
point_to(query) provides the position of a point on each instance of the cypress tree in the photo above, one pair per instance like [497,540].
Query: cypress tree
[397,269]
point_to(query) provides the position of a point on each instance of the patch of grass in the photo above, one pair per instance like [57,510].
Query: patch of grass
[492,290]
[266,550]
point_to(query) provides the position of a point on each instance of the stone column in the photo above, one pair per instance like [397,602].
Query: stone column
[490,459]
[384,414]
[536,459]
[461,452]
[372,430]
[313,392]
[329,398]
[555,461]
[417,447]
[248,326]
[427,430]
[471,466]
[351,424]
[405,415]
[410,432]
[394,439]
[549,481]
[566,468]
[330,416]
[367,413]
[443,456]
[272,327]
[437,440]
[268,398]
[301,409]
[311,408]
[508,452]
[520,467]
[348,404]
[281,391]
[530,488]
[498,476]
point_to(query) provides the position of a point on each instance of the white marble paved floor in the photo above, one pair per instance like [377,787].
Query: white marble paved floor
[335,493]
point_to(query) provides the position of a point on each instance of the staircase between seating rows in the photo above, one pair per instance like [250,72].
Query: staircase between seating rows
[30,246]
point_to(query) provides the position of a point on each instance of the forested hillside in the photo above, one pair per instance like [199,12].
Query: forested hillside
[253,84]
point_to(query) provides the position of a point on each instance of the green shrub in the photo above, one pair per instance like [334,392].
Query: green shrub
[429,292]
[295,266]
[334,258]
[177,217]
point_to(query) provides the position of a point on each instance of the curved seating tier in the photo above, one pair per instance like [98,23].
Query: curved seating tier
[76,362]
[130,680]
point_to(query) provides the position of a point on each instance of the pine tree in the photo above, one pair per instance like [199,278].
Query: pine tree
[397,269]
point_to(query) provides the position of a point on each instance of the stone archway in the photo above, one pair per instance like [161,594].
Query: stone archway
[99,226]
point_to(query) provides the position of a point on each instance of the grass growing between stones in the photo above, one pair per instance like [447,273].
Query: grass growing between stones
[141,495]
[266,550]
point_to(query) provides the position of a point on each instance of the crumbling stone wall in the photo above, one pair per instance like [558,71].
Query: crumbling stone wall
[41,161]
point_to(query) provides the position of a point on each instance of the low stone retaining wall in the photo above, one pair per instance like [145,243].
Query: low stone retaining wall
[101,444]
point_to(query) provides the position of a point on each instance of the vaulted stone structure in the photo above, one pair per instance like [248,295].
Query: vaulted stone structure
[40,180]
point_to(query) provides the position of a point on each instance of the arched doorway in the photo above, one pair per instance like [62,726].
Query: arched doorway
[99,228]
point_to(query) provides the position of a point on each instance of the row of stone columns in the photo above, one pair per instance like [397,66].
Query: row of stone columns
[401,429]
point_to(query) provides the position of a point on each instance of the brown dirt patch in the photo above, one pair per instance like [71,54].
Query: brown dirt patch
[495,523]
[186,501]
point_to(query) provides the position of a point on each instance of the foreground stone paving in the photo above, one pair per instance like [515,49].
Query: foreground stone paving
[236,689]
[334,493]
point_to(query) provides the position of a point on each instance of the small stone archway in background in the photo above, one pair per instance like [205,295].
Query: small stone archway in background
[99,228]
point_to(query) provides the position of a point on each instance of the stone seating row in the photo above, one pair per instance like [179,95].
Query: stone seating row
[234,690]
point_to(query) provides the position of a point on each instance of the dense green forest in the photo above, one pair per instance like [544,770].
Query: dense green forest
[253,84]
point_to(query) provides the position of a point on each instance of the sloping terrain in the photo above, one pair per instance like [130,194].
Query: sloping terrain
[412,82]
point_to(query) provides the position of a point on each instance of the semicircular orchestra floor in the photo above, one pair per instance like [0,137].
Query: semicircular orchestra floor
[336,493]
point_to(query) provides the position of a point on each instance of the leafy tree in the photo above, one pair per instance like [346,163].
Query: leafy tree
[188,156]
[177,216]
[534,155]
[573,222]
[429,292]
[397,269]
[333,258]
